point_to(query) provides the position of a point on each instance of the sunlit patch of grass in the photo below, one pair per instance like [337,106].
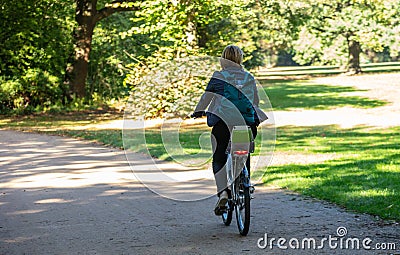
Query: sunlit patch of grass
[304,94]
[366,178]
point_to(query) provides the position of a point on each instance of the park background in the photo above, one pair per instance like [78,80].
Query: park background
[67,68]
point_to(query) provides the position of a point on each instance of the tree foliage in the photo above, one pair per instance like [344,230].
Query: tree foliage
[35,42]
[106,71]
[167,30]
[172,89]
[166,33]
[87,15]
[336,32]
[51,48]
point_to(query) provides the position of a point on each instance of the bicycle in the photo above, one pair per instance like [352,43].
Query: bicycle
[239,149]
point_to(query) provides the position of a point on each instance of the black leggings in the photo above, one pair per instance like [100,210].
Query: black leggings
[221,135]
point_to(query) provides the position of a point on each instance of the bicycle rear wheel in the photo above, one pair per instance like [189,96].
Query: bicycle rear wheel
[242,207]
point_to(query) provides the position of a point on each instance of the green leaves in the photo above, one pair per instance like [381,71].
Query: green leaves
[35,38]
[333,24]
[35,88]
[170,90]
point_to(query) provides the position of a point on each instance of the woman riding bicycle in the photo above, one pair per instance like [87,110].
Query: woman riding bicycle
[214,97]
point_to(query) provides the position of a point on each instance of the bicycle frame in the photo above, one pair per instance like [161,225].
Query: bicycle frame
[239,149]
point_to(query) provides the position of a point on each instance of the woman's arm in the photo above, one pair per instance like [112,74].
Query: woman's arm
[205,100]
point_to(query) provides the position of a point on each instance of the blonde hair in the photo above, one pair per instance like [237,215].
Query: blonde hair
[233,53]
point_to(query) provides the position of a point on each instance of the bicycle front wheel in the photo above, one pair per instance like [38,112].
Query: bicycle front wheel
[242,208]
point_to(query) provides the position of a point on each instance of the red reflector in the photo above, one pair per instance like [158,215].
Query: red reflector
[241,152]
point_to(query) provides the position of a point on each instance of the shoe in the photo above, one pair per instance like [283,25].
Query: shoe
[220,207]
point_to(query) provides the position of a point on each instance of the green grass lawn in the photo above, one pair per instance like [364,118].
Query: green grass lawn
[304,94]
[298,71]
[365,177]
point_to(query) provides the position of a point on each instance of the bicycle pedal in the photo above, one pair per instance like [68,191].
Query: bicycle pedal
[220,210]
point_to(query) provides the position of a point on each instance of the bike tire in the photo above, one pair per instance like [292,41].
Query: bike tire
[242,209]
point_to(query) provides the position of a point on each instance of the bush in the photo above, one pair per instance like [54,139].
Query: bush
[36,88]
[170,90]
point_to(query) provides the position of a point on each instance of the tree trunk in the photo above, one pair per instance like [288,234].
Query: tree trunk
[353,65]
[83,38]
[87,16]
[77,70]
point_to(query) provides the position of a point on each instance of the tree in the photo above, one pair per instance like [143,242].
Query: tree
[166,30]
[267,27]
[35,36]
[87,15]
[391,34]
[336,28]
[108,56]
[172,33]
